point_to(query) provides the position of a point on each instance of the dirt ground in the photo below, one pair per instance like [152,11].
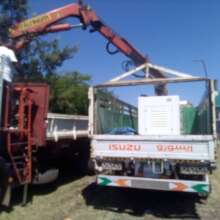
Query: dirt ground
[77,197]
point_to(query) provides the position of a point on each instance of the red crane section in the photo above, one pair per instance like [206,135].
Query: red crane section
[24,31]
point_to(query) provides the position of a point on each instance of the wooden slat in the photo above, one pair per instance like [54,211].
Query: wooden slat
[150,81]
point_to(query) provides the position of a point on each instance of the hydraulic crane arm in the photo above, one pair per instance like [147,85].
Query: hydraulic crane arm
[24,31]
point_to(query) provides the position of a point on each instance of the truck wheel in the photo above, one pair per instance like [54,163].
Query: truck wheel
[91,167]
[204,195]
[83,157]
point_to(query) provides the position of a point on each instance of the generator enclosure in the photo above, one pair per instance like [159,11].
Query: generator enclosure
[159,115]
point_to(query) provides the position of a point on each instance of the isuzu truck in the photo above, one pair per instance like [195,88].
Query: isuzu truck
[155,142]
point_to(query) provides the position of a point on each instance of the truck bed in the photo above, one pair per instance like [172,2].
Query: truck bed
[174,147]
[61,126]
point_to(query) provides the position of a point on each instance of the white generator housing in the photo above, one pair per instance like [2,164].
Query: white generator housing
[159,115]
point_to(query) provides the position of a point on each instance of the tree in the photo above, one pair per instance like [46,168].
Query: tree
[42,58]
[12,11]
[69,93]
[40,61]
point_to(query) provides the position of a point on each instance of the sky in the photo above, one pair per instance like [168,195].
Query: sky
[172,33]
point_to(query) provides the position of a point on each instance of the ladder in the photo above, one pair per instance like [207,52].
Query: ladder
[19,138]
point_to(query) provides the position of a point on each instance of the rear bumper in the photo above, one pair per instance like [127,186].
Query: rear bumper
[200,187]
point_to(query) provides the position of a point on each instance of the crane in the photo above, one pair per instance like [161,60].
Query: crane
[23,32]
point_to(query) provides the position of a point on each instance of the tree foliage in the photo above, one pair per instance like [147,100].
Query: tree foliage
[12,11]
[40,62]
[69,93]
[42,58]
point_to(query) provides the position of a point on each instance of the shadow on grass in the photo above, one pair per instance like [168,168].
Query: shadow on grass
[72,164]
[68,173]
[138,202]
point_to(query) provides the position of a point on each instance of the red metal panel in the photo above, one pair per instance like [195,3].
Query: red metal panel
[40,97]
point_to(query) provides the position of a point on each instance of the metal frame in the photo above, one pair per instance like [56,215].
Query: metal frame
[176,77]
[147,66]
[149,81]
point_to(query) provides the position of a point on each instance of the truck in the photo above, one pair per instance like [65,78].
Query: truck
[156,142]
[33,140]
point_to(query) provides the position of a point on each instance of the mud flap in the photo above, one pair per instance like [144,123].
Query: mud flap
[7,196]
[46,177]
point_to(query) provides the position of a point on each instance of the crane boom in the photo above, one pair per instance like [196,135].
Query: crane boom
[24,31]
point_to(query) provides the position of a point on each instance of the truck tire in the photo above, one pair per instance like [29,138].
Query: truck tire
[83,157]
[91,167]
[205,195]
